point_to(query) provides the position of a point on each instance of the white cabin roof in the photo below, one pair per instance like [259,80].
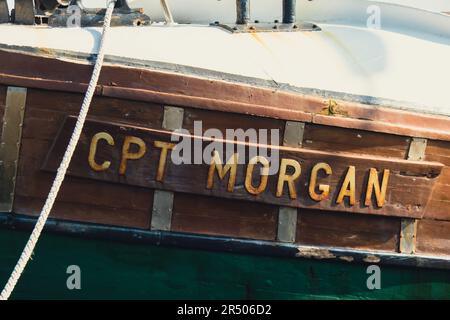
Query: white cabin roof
[405,64]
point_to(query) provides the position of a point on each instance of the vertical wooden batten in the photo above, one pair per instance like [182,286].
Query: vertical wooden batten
[163,200]
[10,144]
[408,231]
[287,216]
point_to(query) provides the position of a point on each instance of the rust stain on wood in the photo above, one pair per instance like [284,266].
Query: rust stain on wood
[332,108]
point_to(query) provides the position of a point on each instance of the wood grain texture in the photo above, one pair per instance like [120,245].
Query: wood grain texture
[130,206]
[79,200]
[347,230]
[439,205]
[326,138]
[433,237]
[218,216]
[40,69]
[223,121]
[410,182]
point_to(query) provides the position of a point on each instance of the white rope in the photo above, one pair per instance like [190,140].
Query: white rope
[167,12]
[34,237]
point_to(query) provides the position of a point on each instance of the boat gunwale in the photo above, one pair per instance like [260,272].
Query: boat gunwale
[20,222]
[275,100]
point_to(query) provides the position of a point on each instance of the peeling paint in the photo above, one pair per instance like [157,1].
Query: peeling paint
[315,253]
[347,258]
[46,51]
[372,259]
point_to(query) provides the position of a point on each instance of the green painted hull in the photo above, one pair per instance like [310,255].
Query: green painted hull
[113,270]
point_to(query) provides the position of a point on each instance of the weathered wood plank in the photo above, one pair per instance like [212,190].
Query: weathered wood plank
[433,237]
[88,212]
[32,70]
[79,199]
[439,205]
[410,182]
[133,112]
[223,121]
[347,230]
[326,138]
[35,183]
[218,216]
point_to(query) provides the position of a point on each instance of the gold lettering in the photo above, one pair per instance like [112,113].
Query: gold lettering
[93,150]
[373,183]
[164,146]
[127,155]
[264,175]
[283,177]
[348,187]
[322,187]
[216,164]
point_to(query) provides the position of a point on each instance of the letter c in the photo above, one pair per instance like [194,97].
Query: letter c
[93,150]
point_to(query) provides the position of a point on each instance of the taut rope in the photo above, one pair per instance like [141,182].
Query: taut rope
[34,237]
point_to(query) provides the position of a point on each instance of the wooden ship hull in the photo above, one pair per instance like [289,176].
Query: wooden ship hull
[358,183]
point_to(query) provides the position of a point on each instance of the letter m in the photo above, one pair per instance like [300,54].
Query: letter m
[216,165]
